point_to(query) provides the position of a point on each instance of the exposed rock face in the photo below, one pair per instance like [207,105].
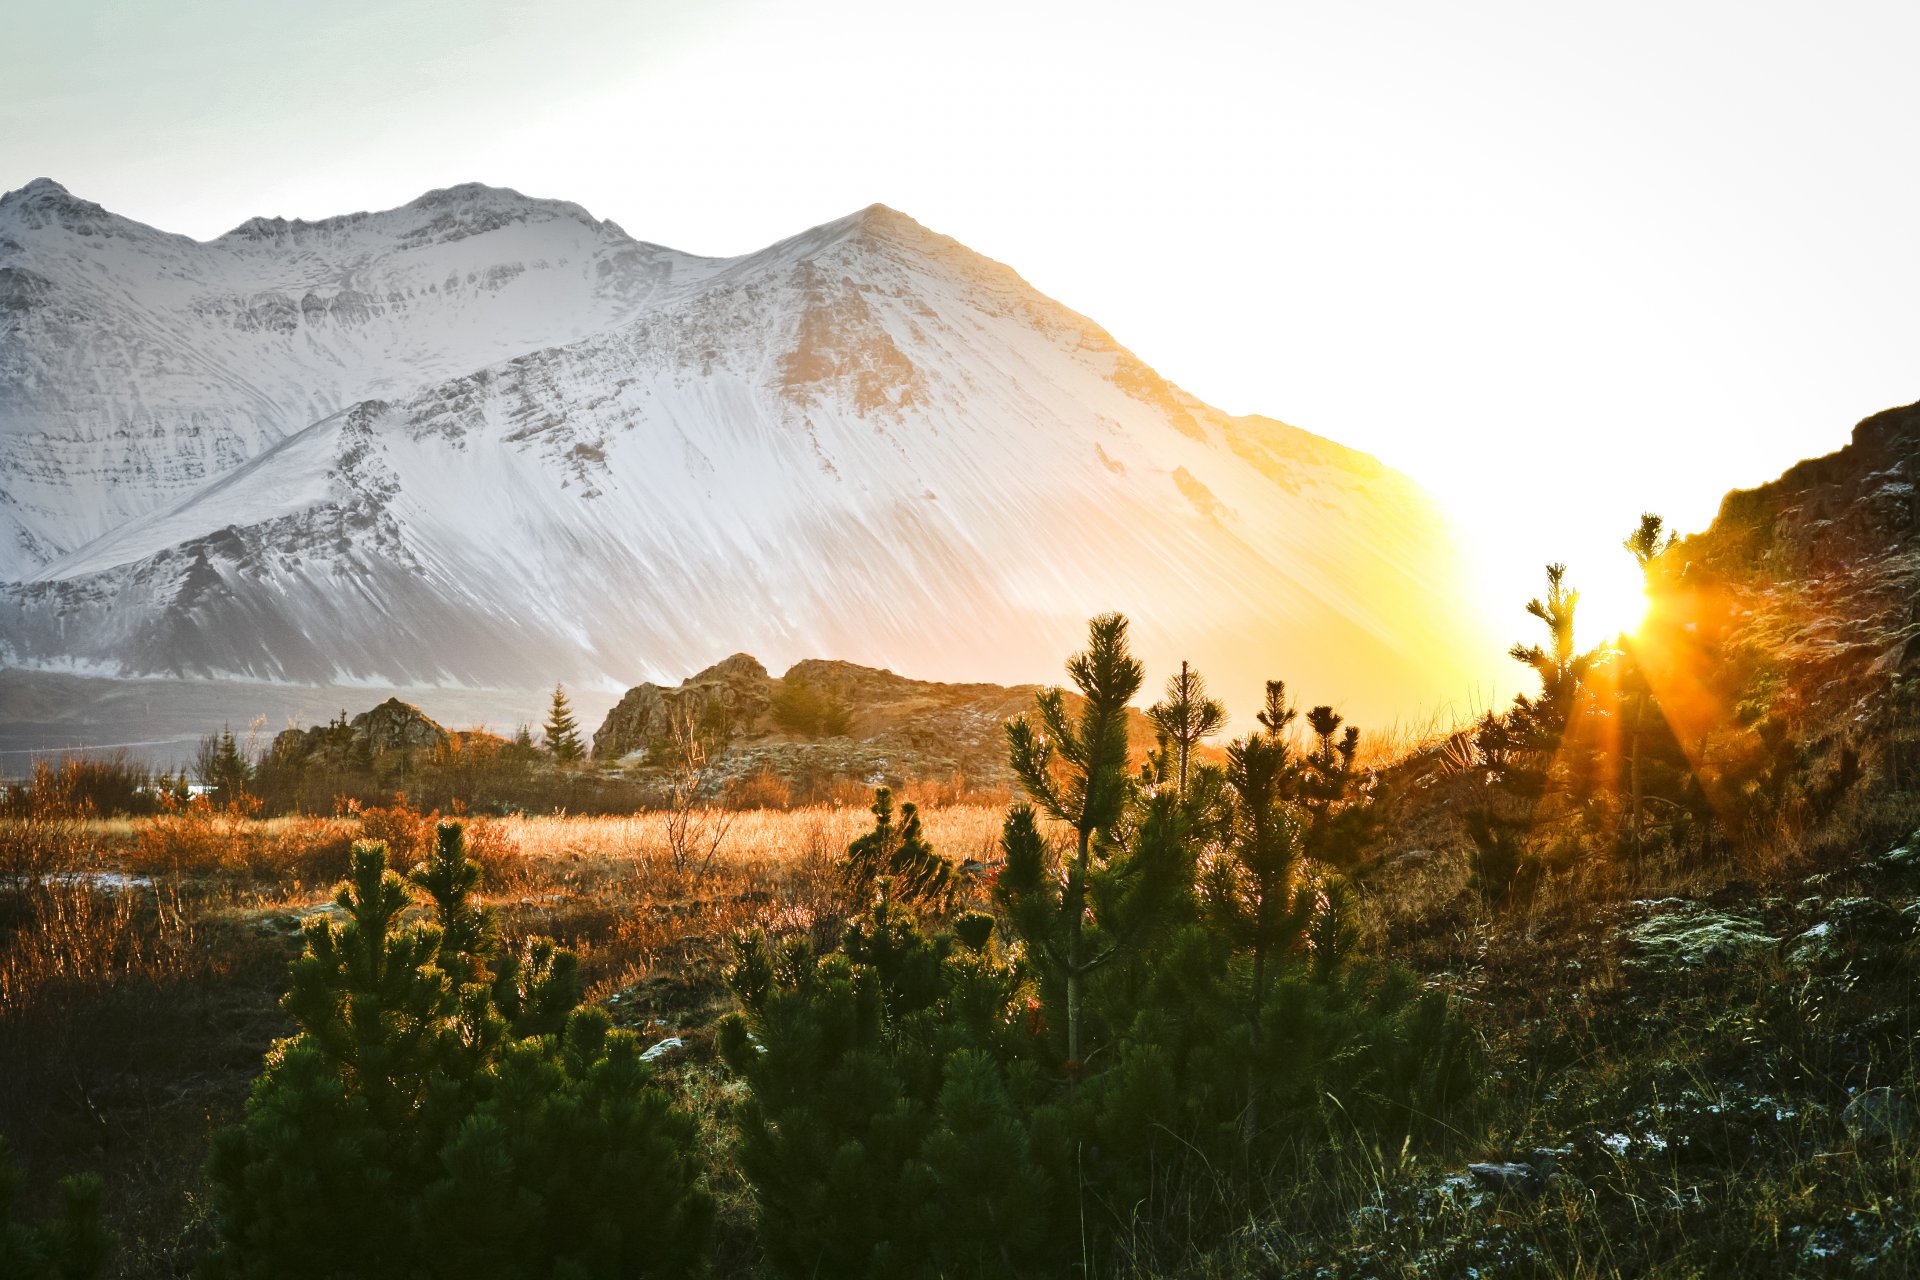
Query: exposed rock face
[393,726]
[735,690]
[1818,574]
[891,728]
[398,726]
[1855,505]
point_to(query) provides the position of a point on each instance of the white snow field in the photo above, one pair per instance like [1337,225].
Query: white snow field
[484,440]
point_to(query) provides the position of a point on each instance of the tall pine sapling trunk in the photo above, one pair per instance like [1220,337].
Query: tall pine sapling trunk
[1075,771]
[1645,544]
[1186,716]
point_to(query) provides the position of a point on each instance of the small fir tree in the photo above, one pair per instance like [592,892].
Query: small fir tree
[70,1246]
[1640,718]
[563,735]
[222,768]
[1075,771]
[1337,826]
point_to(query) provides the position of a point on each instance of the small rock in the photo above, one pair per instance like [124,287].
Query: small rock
[672,1044]
[1509,1176]
[1878,1116]
[1853,929]
[1547,1159]
[1904,858]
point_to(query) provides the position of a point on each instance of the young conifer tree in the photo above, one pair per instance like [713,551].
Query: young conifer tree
[449,1121]
[1254,897]
[917,877]
[1335,828]
[1187,716]
[1560,666]
[1640,718]
[72,1245]
[222,767]
[563,734]
[1075,771]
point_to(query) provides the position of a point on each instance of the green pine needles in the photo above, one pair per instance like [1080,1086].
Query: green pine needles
[899,856]
[1159,1020]
[72,1245]
[1148,1018]
[447,1108]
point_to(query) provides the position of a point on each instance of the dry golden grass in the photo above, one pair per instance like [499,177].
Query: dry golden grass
[101,901]
[766,838]
[653,932]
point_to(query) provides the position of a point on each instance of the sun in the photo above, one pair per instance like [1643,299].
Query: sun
[1613,599]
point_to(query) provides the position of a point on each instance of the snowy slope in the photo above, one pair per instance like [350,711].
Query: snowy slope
[135,366]
[616,463]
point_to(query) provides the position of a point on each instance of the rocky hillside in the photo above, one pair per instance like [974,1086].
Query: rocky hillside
[828,719]
[1802,603]
[391,728]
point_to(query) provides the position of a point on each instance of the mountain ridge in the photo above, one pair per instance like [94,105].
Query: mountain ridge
[864,439]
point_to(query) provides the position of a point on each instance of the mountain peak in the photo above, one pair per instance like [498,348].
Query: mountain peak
[883,215]
[47,196]
[44,202]
[468,193]
[450,213]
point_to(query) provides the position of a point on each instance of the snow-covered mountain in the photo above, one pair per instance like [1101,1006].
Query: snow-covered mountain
[487,440]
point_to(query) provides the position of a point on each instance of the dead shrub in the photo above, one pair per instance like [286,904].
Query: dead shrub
[197,837]
[309,851]
[504,866]
[407,832]
[763,789]
[71,936]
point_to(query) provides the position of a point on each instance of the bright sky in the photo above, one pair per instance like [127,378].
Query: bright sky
[1561,263]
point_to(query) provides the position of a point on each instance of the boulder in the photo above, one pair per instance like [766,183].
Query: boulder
[1509,1176]
[1863,932]
[1877,1117]
[1677,935]
[734,691]
[398,726]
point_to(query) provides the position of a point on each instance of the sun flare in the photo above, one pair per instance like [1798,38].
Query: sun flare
[1613,599]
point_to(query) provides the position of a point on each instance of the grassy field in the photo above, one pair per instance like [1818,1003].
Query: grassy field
[141,961]
[1684,1110]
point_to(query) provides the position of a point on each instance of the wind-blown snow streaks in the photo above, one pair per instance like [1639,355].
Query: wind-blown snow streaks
[496,442]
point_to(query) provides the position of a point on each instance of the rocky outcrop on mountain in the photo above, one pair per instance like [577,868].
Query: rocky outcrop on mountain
[1855,506]
[1798,611]
[398,726]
